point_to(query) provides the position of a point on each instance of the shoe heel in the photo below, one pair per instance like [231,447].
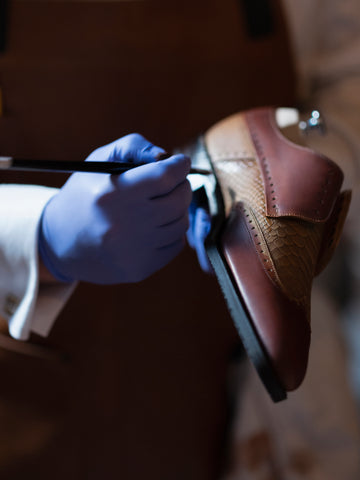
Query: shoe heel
[332,230]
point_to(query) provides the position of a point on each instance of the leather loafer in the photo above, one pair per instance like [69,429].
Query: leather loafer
[277,219]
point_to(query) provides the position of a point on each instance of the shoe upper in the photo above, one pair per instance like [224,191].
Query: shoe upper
[284,214]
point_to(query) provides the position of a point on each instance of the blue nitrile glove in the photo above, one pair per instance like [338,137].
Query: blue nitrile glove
[109,229]
[200,225]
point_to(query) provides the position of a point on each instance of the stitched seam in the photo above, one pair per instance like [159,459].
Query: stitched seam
[264,162]
[331,169]
[263,252]
[267,174]
[260,245]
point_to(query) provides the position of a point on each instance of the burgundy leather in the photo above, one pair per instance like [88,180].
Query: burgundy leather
[280,323]
[298,182]
[285,215]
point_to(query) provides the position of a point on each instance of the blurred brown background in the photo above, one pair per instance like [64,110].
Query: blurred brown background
[131,382]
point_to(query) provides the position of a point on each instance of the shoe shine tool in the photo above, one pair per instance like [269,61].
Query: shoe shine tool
[10,163]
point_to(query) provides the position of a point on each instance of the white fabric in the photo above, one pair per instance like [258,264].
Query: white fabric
[20,211]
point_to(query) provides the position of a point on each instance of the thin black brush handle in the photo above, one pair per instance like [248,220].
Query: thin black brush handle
[73,166]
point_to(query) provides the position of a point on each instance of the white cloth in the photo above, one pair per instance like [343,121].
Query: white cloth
[25,306]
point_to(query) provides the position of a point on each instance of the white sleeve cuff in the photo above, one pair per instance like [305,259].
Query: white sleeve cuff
[23,304]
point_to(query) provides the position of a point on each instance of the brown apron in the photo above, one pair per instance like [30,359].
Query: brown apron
[131,382]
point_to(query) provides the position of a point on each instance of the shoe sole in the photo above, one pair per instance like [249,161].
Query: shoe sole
[244,326]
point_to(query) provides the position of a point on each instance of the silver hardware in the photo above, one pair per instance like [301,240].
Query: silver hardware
[314,123]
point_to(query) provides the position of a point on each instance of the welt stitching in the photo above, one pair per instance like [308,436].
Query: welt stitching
[330,171]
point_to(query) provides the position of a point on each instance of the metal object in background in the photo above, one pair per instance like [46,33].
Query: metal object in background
[314,123]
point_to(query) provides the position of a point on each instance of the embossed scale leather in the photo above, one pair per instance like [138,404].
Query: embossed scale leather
[285,227]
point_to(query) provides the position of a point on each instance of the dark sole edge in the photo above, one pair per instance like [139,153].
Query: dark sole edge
[242,321]
[247,333]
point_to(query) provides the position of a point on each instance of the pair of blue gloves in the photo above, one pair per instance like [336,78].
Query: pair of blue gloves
[109,229]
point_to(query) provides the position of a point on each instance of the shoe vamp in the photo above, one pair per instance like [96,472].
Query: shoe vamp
[292,244]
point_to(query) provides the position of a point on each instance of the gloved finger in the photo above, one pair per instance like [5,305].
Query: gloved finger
[170,207]
[130,148]
[200,225]
[134,147]
[172,232]
[190,232]
[155,179]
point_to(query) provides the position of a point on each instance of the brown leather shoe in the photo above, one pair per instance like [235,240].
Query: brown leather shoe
[279,218]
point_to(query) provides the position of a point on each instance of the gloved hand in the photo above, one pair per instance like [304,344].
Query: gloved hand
[109,229]
[200,225]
